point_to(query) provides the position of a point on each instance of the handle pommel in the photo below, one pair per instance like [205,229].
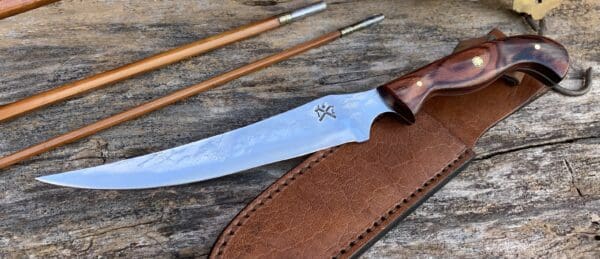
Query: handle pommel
[474,68]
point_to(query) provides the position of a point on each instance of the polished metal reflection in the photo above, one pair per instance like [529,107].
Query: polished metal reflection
[302,12]
[294,133]
[362,24]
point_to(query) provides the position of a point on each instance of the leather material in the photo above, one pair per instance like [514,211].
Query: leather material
[339,201]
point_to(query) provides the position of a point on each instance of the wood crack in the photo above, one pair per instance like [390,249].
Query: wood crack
[324,82]
[570,169]
[525,147]
[119,228]
[494,216]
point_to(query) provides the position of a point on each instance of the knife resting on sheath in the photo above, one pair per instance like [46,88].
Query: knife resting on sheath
[328,121]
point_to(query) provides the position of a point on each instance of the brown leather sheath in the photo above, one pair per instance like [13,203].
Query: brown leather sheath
[341,200]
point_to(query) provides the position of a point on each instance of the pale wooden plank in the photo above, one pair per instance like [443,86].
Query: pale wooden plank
[517,198]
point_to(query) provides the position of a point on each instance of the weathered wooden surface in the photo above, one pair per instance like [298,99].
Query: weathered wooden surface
[534,189]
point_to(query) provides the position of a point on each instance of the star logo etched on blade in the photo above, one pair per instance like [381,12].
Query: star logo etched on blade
[324,110]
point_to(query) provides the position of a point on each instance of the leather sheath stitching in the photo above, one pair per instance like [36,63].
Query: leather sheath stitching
[398,206]
[260,202]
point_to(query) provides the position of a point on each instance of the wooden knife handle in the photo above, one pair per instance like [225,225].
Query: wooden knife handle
[474,68]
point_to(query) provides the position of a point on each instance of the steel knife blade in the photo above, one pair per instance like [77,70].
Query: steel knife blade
[328,121]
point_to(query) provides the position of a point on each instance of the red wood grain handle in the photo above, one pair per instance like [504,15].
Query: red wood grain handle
[474,68]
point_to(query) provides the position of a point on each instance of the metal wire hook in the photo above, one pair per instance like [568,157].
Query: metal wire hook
[540,28]
[585,87]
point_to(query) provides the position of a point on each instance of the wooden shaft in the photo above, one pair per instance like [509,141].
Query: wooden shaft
[13,7]
[66,91]
[164,101]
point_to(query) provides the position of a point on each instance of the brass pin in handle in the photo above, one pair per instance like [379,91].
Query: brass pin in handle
[168,99]
[69,90]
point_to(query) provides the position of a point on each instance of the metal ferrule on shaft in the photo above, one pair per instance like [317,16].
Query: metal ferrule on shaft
[362,24]
[304,11]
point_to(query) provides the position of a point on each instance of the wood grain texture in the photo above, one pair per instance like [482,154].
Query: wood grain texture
[64,92]
[533,191]
[472,69]
[165,100]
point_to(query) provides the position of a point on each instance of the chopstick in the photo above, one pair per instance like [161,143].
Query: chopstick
[14,7]
[182,94]
[23,106]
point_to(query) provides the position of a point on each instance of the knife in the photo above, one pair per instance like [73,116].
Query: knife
[328,121]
